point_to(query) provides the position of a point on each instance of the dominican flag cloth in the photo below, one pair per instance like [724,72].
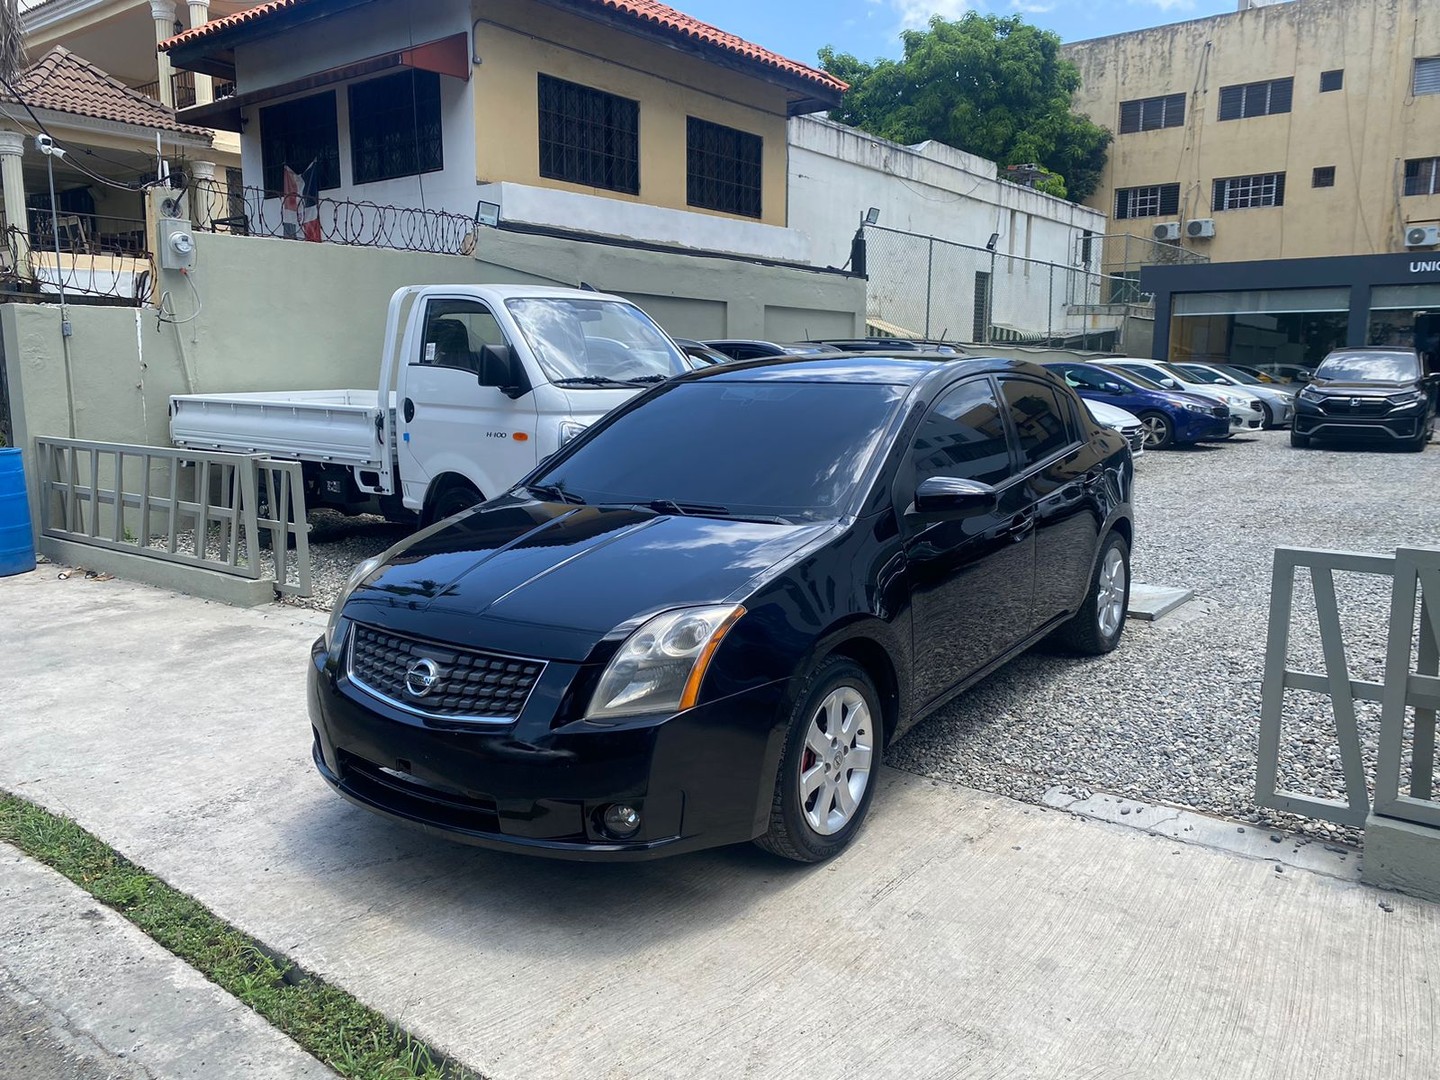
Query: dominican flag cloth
[300,208]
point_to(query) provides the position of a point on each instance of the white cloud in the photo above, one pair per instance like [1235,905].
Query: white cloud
[916,14]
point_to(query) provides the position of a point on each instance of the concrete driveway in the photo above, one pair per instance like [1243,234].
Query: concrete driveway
[964,934]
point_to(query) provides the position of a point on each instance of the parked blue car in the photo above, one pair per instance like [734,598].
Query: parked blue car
[1170,418]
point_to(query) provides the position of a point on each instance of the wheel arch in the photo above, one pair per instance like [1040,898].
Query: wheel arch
[438,486]
[875,659]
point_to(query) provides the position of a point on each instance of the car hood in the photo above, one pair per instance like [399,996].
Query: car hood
[550,580]
[1358,389]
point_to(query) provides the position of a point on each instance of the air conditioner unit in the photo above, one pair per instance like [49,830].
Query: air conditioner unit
[1200,228]
[1418,236]
[1169,230]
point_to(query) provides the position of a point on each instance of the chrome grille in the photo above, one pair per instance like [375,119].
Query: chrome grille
[467,684]
[1220,411]
[1355,406]
[1135,436]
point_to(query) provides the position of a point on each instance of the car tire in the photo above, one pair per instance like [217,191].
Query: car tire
[451,499]
[1159,430]
[837,691]
[1298,440]
[1267,416]
[1096,628]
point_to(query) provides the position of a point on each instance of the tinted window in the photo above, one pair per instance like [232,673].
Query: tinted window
[298,133]
[963,436]
[1369,367]
[792,450]
[1041,421]
[395,127]
[1131,377]
[1090,379]
[1200,375]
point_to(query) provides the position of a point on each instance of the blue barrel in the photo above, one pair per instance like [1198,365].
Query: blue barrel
[17,547]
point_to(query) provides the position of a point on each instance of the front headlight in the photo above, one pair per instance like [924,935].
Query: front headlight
[1413,397]
[1194,407]
[661,665]
[359,574]
[569,429]
[1311,394]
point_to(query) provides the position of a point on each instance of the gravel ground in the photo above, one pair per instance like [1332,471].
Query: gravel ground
[1172,716]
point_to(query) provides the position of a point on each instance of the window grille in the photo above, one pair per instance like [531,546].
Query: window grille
[295,133]
[1243,192]
[1422,176]
[723,168]
[589,137]
[395,127]
[1157,200]
[1148,114]
[1332,80]
[1256,99]
[1427,75]
[1324,176]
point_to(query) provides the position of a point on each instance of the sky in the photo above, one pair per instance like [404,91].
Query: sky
[871,28]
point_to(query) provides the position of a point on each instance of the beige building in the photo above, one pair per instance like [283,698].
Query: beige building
[1288,131]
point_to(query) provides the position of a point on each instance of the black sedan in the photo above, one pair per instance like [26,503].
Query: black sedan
[653,646]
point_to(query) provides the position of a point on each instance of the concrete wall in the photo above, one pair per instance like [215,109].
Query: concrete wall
[1366,130]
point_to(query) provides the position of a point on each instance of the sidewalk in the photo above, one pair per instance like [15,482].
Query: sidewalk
[86,996]
[964,934]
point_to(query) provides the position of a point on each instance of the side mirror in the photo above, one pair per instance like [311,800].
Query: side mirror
[950,494]
[1169,384]
[1112,388]
[499,368]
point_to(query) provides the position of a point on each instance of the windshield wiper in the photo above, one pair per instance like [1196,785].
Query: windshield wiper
[555,493]
[640,379]
[669,506]
[594,380]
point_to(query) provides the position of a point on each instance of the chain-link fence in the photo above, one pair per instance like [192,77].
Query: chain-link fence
[923,286]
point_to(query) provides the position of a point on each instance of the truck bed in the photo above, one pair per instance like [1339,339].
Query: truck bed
[330,426]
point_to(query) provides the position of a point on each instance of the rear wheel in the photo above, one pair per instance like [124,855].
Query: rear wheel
[1097,626]
[1159,430]
[450,499]
[827,767]
[1296,439]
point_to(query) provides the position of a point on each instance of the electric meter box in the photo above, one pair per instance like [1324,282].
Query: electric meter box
[177,245]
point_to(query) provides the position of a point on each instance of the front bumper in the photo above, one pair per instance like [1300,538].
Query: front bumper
[700,778]
[1399,423]
[1195,427]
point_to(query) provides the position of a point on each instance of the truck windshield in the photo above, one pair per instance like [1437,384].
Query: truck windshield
[595,343]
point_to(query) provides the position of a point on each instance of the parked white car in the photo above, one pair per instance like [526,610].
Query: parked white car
[1127,423]
[1245,410]
[1278,402]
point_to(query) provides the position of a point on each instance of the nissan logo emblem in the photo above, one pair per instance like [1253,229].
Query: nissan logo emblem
[421,677]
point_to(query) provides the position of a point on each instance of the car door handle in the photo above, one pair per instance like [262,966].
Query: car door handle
[1020,525]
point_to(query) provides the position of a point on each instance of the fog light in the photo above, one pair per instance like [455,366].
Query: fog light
[621,821]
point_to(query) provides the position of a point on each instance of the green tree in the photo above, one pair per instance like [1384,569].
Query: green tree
[992,86]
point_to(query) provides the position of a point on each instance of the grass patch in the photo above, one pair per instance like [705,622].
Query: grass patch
[354,1040]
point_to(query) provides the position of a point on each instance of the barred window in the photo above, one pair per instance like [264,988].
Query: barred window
[722,168]
[1256,99]
[1323,176]
[395,126]
[1422,176]
[295,133]
[1243,192]
[1148,114]
[1332,80]
[589,137]
[1157,200]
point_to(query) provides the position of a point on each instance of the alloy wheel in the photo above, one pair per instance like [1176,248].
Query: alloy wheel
[1156,432]
[1110,595]
[835,765]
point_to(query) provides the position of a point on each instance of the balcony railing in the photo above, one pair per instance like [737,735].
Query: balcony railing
[182,83]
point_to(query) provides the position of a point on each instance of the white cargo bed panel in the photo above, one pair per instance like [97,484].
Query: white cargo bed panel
[332,426]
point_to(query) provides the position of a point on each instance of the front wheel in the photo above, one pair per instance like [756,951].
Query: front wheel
[1096,627]
[1267,416]
[1159,431]
[825,780]
[454,497]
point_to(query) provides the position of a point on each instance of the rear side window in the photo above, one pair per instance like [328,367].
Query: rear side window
[1042,421]
[963,436]
[1089,379]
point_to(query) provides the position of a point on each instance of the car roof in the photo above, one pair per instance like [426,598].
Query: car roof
[1372,350]
[902,369]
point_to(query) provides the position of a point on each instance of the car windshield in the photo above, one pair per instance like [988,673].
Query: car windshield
[1242,376]
[595,343]
[723,448]
[1131,377]
[1188,373]
[1369,367]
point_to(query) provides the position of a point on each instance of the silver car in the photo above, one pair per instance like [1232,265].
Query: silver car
[1276,402]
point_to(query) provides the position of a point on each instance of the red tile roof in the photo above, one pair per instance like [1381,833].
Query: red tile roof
[657,15]
[66,83]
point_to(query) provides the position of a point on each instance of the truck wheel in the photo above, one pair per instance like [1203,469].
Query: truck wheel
[450,499]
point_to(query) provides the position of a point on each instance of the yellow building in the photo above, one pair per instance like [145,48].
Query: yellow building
[1293,130]
[1300,139]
